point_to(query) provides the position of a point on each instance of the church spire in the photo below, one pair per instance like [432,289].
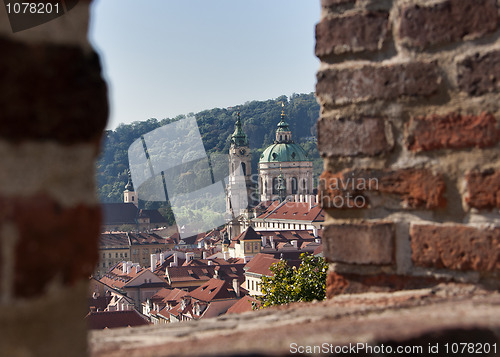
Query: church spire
[283,133]
[239,137]
[129,186]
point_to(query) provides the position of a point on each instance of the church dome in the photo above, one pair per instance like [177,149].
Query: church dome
[283,152]
[283,149]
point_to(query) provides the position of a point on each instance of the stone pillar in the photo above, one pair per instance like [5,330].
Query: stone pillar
[53,109]
[409,94]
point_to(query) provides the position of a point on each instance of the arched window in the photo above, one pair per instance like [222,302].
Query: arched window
[244,168]
[304,185]
[294,185]
[275,185]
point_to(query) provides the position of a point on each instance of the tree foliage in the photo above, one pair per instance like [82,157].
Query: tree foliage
[289,284]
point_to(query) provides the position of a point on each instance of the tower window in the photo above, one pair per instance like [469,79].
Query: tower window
[294,185]
[244,168]
[132,198]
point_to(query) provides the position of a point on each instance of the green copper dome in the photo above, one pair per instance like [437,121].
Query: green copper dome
[283,152]
[283,149]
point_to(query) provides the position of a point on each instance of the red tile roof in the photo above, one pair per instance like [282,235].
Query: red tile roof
[214,289]
[260,264]
[243,305]
[112,319]
[293,211]
[248,234]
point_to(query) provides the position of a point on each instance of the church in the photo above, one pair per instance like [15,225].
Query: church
[285,173]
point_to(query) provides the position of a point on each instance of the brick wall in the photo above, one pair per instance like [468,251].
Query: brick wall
[409,131]
[53,108]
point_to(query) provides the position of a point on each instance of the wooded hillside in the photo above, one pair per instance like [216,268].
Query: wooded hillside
[259,120]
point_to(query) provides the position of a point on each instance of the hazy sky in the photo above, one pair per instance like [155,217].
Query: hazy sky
[163,58]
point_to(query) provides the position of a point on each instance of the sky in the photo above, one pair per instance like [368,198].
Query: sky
[163,58]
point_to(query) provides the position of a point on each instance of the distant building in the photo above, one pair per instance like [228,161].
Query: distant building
[136,282]
[136,247]
[290,216]
[285,176]
[284,168]
[127,216]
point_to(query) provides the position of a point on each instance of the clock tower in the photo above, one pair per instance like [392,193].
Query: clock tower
[240,178]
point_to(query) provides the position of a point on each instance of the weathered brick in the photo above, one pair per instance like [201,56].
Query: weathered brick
[51,92]
[351,33]
[53,243]
[372,82]
[347,137]
[414,188]
[360,243]
[337,284]
[455,247]
[479,73]
[483,189]
[452,131]
[446,21]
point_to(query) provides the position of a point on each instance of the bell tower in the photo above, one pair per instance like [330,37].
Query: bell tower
[240,174]
[239,153]
[129,195]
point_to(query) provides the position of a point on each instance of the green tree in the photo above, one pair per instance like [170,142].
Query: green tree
[289,284]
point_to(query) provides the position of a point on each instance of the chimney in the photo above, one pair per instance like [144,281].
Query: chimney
[162,258]
[264,241]
[226,255]
[294,243]
[175,260]
[210,262]
[318,240]
[246,259]
[236,287]
[153,262]
[311,203]
[315,231]
[124,267]
[204,255]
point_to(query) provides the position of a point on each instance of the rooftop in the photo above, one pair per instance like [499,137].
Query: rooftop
[448,312]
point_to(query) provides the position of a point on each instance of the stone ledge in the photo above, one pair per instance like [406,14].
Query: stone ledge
[415,317]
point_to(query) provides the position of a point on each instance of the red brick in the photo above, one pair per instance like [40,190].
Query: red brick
[345,137]
[414,188]
[447,21]
[54,243]
[360,243]
[383,82]
[455,247]
[452,131]
[351,33]
[483,189]
[337,283]
[479,73]
[51,92]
